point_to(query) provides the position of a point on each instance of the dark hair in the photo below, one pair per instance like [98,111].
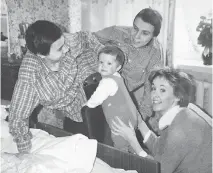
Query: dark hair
[115,51]
[152,17]
[40,35]
[183,84]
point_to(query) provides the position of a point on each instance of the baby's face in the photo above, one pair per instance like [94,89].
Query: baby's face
[107,64]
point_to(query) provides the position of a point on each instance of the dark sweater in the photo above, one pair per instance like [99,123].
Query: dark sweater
[185,146]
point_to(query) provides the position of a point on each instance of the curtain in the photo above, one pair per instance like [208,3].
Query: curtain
[188,15]
[98,14]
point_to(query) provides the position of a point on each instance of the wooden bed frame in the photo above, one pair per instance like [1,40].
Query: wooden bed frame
[112,156]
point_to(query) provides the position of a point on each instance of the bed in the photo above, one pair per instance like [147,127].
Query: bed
[112,156]
[106,153]
[55,153]
[96,125]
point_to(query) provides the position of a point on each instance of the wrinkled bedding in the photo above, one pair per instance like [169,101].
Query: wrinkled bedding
[49,154]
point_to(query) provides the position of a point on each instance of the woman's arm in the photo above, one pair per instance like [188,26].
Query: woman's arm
[176,147]
[128,133]
[23,102]
[93,42]
[106,35]
[73,42]
[150,139]
[81,41]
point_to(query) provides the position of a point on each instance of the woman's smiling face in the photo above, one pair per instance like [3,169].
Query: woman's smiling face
[162,95]
[142,33]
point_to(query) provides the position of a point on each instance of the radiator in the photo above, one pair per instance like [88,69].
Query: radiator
[203,78]
[204,95]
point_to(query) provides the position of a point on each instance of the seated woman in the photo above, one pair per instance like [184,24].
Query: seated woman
[185,143]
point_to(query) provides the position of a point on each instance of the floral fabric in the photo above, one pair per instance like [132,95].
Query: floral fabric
[65,13]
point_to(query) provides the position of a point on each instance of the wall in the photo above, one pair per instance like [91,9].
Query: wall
[66,13]
[203,79]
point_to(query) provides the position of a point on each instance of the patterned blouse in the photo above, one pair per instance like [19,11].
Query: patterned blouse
[139,62]
[61,90]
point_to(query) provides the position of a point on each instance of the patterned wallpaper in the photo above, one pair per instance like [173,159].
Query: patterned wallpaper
[66,13]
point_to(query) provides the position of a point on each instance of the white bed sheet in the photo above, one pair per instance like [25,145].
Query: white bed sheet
[49,154]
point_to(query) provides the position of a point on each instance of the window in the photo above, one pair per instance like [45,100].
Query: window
[187,18]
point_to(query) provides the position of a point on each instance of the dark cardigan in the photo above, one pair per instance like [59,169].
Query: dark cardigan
[185,146]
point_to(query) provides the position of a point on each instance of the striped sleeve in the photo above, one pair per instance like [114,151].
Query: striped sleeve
[23,102]
[93,42]
[105,35]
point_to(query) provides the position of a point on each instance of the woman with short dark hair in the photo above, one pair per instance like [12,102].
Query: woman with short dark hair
[183,84]
[185,143]
[52,75]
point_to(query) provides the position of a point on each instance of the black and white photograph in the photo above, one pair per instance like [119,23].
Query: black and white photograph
[106,86]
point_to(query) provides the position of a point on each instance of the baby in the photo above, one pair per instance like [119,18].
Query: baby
[112,93]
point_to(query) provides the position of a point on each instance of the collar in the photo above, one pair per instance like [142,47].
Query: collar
[156,43]
[44,68]
[117,74]
[168,117]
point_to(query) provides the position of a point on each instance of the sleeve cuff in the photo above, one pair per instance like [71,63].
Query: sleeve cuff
[90,105]
[146,137]
[143,154]
[24,146]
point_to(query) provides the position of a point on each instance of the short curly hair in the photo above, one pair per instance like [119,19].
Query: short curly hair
[182,83]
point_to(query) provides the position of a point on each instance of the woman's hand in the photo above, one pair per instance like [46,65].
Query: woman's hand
[128,133]
[119,128]
[144,129]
